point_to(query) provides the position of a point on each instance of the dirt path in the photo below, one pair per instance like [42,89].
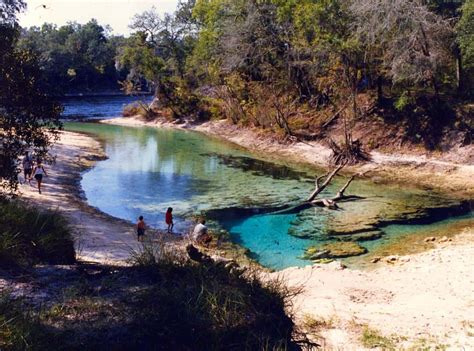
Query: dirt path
[100,238]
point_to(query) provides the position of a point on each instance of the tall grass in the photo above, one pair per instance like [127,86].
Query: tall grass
[30,236]
[161,303]
[208,306]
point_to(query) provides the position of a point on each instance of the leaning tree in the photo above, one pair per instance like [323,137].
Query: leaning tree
[29,118]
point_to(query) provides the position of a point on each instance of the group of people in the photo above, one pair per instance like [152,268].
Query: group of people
[32,169]
[199,235]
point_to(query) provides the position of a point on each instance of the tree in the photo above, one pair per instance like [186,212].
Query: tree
[29,118]
[75,57]
[9,10]
[413,41]
[465,40]
[157,52]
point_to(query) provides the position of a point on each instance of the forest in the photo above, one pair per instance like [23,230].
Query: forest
[292,67]
[75,57]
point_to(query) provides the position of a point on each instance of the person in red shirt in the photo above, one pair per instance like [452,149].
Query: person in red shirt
[140,228]
[169,219]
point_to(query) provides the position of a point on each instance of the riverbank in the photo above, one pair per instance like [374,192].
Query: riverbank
[421,301]
[449,174]
[99,237]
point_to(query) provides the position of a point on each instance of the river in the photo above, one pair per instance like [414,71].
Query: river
[149,170]
[97,107]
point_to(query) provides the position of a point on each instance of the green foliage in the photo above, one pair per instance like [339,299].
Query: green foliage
[29,236]
[76,57]
[221,309]
[465,28]
[19,330]
[9,9]
[403,101]
[371,338]
[139,57]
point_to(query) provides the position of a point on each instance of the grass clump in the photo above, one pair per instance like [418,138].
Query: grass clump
[372,338]
[19,329]
[30,236]
[317,324]
[208,306]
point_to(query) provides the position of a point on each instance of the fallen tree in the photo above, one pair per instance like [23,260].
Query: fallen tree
[328,202]
[340,196]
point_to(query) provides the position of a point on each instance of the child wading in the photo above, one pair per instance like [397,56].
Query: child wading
[140,228]
[169,219]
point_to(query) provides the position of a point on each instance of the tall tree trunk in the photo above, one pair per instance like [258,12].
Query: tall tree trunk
[459,73]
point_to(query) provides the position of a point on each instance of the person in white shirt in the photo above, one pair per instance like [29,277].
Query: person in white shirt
[200,234]
[38,173]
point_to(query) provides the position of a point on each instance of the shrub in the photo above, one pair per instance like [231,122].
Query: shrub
[140,109]
[29,236]
[372,338]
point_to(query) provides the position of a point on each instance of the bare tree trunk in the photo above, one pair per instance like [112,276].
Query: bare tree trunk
[331,202]
[320,188]
[459,73]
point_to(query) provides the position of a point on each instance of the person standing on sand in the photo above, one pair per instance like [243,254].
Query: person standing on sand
[38,173]
[140,228]
[27,167]
[169,219]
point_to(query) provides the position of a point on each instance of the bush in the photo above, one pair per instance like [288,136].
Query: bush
[29,236]
[139,109]
[208,307]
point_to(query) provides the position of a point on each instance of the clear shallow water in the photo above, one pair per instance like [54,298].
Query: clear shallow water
[149,170]
[97,107]
[265,236]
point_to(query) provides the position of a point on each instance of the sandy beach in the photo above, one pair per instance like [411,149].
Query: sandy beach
[417,301]
[99,237]
[421,300]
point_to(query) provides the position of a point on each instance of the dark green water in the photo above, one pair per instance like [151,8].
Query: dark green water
[149,170]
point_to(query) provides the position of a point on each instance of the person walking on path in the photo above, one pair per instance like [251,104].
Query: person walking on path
[169,219]
[27,167]
[38,173]
[140,228]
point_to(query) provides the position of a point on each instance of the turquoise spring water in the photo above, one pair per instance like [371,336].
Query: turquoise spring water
[149,170]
